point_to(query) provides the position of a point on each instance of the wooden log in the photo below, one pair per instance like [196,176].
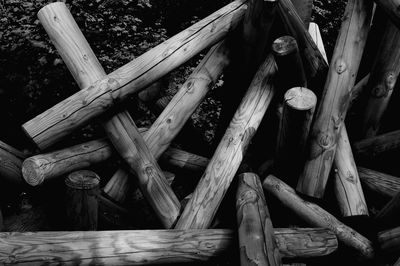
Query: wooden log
[118,186]
[382,80]
[391,9]
[316,216]
[389,240]
[347,183]
[287,58]
[384,184]
[256,236]
[120,128]
[372,147]
[336,98]
[81,199]
[388,216]
[147,247]
[315,65]
[185,160]
[219,173]
[60,120]
[304,9]
[358,89]
[315,33]
[10,164]
[298,110]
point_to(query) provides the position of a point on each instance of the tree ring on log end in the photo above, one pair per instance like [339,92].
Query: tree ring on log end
[83,179]
[284,45]
[300,98]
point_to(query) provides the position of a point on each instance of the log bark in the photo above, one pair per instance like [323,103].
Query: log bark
[11,164]
[81,200]
[347,183]
[219,173]
[316,216]
[120,128]
[304,9]
[147,247]
[256,236]
[77,110]
[335,98]
[384,184]
[382,81]
[391,9]
[372,147]
[389,240]
[388,216]
[315,33]
[298,110]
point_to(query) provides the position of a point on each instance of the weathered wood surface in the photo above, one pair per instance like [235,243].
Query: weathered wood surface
[257,243]
[148,247]
[389,215]
[117,187]
[185,160]
[389,240]
[335,98]
[316,216]
[120,128]
[384,184]
[304,9]
[315,33]
[391,9]
[383,77]
[219,173]
[298,110]
[347,183]
[77,110]
[11,164]
[81,200]
[377,145]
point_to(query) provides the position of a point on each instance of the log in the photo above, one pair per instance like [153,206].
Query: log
[120,128]
[77,110]
[391,9]
[358,89]
[372,147]
[335,98]
[304,9]
[382,81]
[389,240]
[298,110]
[315,33]
[184,160]
[316,216]
[287,58]
[10,164]
[384,184]
[256,235]
[81,199]
[118,186]
[388,216]
[219,173]
[147,247]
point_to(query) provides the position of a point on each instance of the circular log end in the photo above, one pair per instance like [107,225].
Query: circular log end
[284,45]
[32,172]
[47,8]
[83,179]
[300,98]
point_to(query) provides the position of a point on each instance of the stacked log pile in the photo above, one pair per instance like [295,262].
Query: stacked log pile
[312,196]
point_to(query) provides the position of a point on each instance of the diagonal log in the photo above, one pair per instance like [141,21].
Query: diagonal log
[10,164]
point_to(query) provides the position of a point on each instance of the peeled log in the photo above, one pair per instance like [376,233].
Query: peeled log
[384,184]
[377,145]
[335,98]
[11,164]
[77,110]
[256,236]
[382,80]
[117,187]
[201,208]
[316,216]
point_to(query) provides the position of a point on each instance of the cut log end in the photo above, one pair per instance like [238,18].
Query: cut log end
[300,98]
[31,172]
[83,179]
[284,45]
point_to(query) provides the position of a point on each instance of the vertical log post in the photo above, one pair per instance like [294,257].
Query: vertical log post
[384,184]
[336,97]
[256,239]
[201,208]
[81,199]
[304,9]
[382,80]
[122,131]
[298,110]
[316,216]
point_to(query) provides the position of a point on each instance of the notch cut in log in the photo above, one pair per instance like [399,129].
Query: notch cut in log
[256,236]
[201,208]
[11,164]
[77,110]
[384,184]
[316,216]
[335,98]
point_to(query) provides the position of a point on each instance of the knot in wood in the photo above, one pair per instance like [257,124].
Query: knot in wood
[325,140]
[113,88]
[340,65]
[378,91]
[390,80]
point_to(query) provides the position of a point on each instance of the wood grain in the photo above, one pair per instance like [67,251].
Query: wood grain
[118,186]
[315,34]
[371,147]
[11,164]
[219,173]
[256,236]
[316,216]
[384,184]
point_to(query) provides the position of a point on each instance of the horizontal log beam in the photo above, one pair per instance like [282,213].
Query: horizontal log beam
[377,145]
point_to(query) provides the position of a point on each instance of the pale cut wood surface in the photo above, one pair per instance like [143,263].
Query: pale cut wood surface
[315,33]
[304,9]
[257,245]
[77,110]
[201,208]
[316,216]
[11,164]
[384,184]
[389,240]
[377,145]
[335,98]
[382,81]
